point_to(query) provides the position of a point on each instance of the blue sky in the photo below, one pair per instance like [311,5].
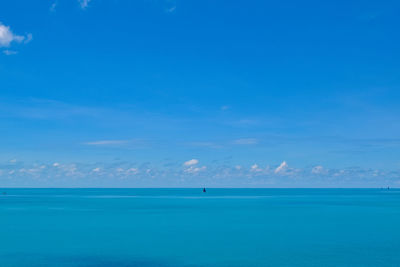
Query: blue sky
[193,93]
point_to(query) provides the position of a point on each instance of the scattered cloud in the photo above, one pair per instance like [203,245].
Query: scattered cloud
[84,3]
[317,170]
[191,162]
[191,167]
[282,168]
[255,168]
[132,171]
[7,37]
[194,170]
[147,175]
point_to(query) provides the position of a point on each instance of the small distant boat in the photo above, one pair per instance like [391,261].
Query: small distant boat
[204,190]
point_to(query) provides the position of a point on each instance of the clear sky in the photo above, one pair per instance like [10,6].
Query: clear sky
[200,93]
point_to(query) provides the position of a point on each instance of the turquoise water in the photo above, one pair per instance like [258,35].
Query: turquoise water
[184,227]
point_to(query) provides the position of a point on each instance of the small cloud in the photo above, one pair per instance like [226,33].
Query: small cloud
[132,170]
[195,170]
[96,169]
[106,142]
[28,38]
[84,3]
[56,164]
[13,160]
[246,141]
[191,162]
[255,168]
[9,52]
[238,167]
[317,170]
[282,168]
[340,173]
[7,36]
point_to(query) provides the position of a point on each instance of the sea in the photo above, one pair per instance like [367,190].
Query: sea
[189,228]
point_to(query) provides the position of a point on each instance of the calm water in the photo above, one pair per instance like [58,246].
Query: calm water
[184,227]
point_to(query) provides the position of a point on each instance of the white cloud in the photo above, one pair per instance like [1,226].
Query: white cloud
[317,170]
[255,168]
[191,162]
[13,160]
[84,3]
[7,36]
[106,142]
[339,173]
[132,171]
[37,173]
[282,168]
[245,141]
[194,170]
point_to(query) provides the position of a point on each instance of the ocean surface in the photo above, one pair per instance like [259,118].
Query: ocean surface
[185,227]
